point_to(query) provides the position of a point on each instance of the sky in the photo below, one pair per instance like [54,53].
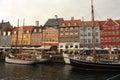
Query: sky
[42,10]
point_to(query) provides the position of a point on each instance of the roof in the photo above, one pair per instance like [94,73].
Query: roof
[53,22]
[89,23]
[30,28]
[71,22]
[4,26]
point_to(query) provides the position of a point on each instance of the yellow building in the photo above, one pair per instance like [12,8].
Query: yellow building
[24,36]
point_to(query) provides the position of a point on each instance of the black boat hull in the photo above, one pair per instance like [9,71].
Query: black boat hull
[94,66]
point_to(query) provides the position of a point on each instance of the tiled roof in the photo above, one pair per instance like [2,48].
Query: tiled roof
[4,26]
[53,22]
[30,28]
[89,23]
[72,22]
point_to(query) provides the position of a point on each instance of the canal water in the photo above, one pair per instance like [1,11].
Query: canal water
[51,71]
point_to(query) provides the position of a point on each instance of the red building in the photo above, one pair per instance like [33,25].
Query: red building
[110,33]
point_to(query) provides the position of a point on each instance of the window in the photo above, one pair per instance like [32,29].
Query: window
[4,33]
[61,29]
[76,46]
[96,33]
[9,33]
[76,33]
[15,32]
[88,28]
[61,46]
[75,24]
[63,24]
[40,30]
[66,29]
[96,28]
[89,40]
[71,28]
[76,28]
[69,24]
[89,34]
[97,40]
[66,33]
[71,33]
[61,34]
[27,31]
[35,30]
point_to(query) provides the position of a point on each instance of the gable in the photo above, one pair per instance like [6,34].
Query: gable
[110,22]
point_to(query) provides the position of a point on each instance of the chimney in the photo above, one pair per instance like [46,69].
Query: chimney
[37,23]
[56,17]
[72,18]
[2,21]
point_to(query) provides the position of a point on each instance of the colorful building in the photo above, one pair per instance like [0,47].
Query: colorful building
[5,34]
[36,36]
[69,34]
[86,35]
[50,32]
[50,37]
[21,36]
[6,38]
[110,33]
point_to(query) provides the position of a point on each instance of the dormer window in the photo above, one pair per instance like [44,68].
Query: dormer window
[9,33]
[63,24]
[35,30]
[4,33]
[75,24]
[69,24]
[40,30]
[27,31]
[15,32]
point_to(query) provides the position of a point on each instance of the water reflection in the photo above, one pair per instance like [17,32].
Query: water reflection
[51,71]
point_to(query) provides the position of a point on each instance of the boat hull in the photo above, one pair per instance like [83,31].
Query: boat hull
[94,66]
[66,58]
[19,61]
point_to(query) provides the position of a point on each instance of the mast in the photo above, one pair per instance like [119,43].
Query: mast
[17,34]
[83,33]
[22,35]
[93,31]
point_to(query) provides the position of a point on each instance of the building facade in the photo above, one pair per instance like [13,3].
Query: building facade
[69,34]
[21,36]
[110,34]
[86,36]
[6,38]
[36,36]
[5,33]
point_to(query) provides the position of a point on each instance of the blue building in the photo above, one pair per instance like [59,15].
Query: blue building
[5,34]
[86,34]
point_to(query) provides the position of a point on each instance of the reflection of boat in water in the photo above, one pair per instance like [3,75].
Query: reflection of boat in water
[95,62]
[20,59]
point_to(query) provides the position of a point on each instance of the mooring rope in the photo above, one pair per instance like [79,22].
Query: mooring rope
[113,77]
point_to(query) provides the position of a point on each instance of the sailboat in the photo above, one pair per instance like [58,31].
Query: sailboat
[20,57]
[94,62]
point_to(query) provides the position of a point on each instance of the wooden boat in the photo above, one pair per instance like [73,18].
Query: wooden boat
[15,60]
[18,56]
[96,63]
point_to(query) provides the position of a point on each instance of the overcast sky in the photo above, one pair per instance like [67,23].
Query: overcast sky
[42,10]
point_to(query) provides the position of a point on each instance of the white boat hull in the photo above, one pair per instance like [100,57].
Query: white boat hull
[19,61]
[66,58]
